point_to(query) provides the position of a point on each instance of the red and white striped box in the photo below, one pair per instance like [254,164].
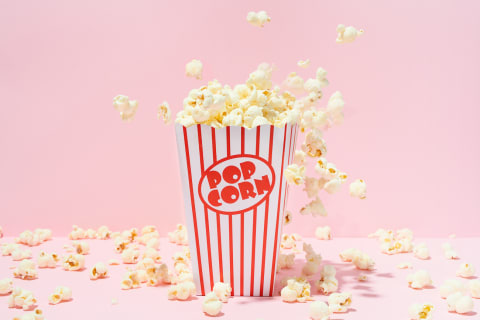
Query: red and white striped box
[235,194]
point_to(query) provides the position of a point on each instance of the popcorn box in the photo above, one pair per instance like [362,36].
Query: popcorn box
[234,195]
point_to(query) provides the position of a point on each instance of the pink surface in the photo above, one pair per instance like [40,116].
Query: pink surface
[385,293]
[410,84]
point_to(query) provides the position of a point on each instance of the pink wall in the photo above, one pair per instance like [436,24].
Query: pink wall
[410,83]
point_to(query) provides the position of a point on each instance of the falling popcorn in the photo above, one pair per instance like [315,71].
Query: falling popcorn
[419,279]
[98,271]
[459,303]
[358,189]
[60,294]
[297,290]
[285,261]
[6,286]
[164,112]
[466,270]
[127,109]
[419,311]
[347,34]
[222,290]
[258,19]
[319,311]
[303,63]
[194,69]
[21,298]
[323,233]
[339,302]
[295,174]
[288,217]
[211,305]
[314,208]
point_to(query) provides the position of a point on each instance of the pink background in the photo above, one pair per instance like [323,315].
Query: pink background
[410,84]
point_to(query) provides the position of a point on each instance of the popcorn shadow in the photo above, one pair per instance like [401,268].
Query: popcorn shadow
[468,314]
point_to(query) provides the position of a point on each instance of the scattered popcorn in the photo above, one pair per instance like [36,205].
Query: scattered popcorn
[103,233]
[130,235]
[466,270]
[130,280]
[299,157]
[313,260]
[473,286]
[211,305]
[179,235]
[19,254]
[459,303]
[121,244]
[8,248]
[297,290]
[6,286]
[289,241]
[303,63]
[339,302]
[152,254]
[347,34]
[81,247]
[404,265]
[73,262]
[319,311]
[158,275]
[130,255]
[47,260]
[34,238]
[60,294]
[419,311]
[358,189]
[98,271]
[327,282]
[288,217]
[315,208]
[421,251]
[25,270]
[285,261]
[451,286]
[164,112]
[77,232]
[113,262]
[90,233]
[360,259]
[36,314]
[295,174]
[21,298]
[222,290]
[258,19]
[323,233]
[419,279]
[194,69]
[181,291]
[449,252]
[127,109]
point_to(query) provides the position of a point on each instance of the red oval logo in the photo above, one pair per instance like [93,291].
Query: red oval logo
[236,184]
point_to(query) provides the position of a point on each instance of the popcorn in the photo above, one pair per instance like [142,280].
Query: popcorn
[8,248]
[222,290]
[448,251]
[404,233]
[347,34]
[466,270]
[211,305]
[130,235]
[299,157]
[179,235]
[258,19]
[473,286]
[103,233]
[47,260]
[21,298]
[36,314]
[25,270]
[333,185]
[181,291]
[296,290]
[130,255]
[289,241]
[152,254]
[295,174]
[90,233]
[303,63]
[395,246]
[312,186]
[127,109]
[313,260]
[285,261]
[113,262]
[335,107]
[419,279]
[288,217]
[19,254]
[157,275]
[98,271]
[452,236]
[6,286]
[360,259]
[120,244]
[130,280]
[419,311]
[322,77]
[404,265]
[339,302]
[164,112]
[323,233]
[319,311]
[421,251]
[73,262]
[81,247]
[459,303]
[35,238]
[194,69]
[77,232]
[315,208]
[451,286]
[60,294]
[358,189]
[327,282]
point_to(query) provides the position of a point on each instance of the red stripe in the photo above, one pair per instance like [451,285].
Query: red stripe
[243,139]
[219,237]
[252,272]
[205,210]
[274,259]
[242,227]
[265,226]
[199,260]
[228,141]
[231,253]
